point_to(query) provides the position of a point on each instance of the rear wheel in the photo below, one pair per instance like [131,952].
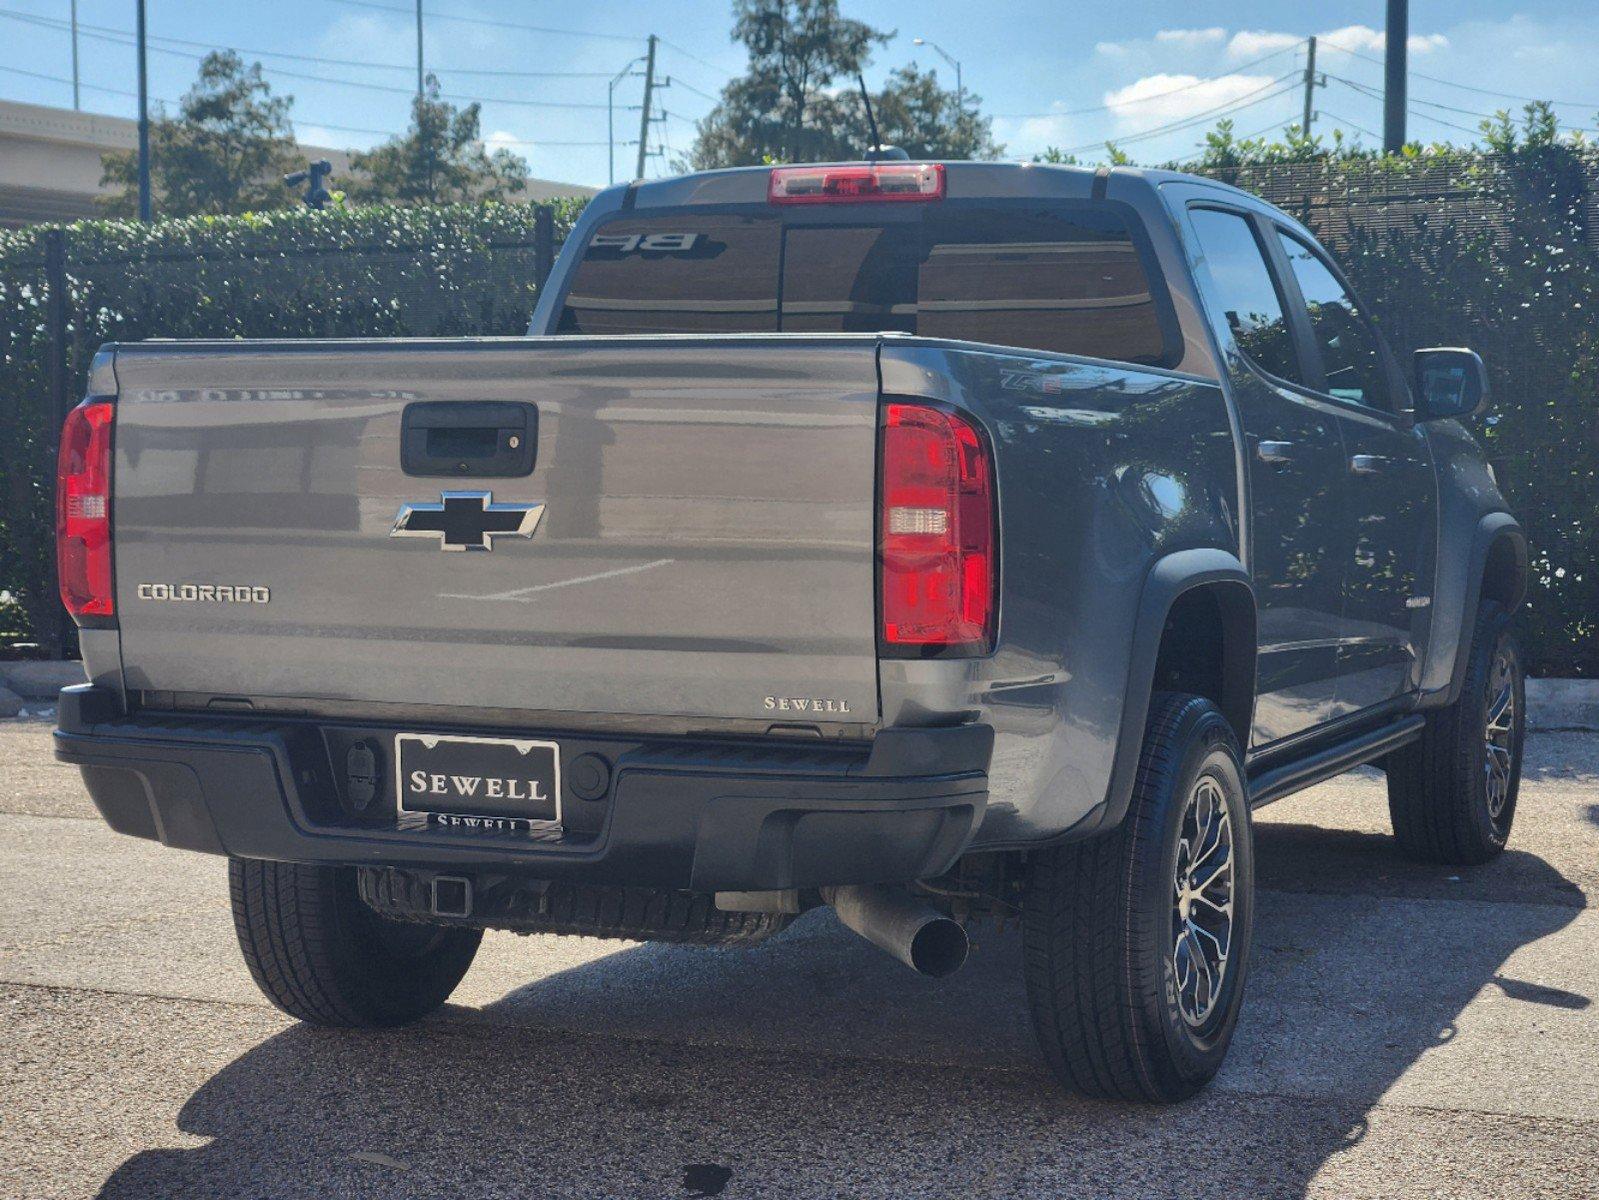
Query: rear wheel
[1137,940]
[1452,793]
[320,954]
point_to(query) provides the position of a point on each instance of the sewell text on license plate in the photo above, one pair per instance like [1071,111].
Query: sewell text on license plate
[481,784]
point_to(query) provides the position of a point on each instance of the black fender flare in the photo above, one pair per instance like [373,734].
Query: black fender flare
[1167,580]
[1490,529]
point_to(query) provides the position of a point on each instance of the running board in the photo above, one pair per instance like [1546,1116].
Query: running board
[1289,778]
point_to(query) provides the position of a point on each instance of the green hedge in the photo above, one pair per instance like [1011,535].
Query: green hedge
[362,272]
[1496,252]
[1492,251]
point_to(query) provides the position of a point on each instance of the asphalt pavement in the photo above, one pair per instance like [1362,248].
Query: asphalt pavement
[1409,1031]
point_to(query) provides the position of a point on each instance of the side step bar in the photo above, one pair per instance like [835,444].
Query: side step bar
[1367,747]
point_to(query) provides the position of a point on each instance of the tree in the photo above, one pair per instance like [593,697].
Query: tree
[224,153]
[797,101]
[440,159]
[797,49]
[918,116]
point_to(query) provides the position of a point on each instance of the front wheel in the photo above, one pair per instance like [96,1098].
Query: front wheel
[1136,941]
[1452,793]
[320,954]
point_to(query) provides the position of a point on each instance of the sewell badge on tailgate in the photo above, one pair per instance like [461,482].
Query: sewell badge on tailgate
[467,520]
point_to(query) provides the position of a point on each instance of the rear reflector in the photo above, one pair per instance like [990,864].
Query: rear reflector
[83,512]
[877,183]
[936,533]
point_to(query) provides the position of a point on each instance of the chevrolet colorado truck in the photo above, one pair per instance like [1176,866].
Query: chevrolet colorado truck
[934,541]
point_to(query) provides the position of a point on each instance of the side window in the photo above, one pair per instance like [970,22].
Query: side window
[1349,349]
[1246,292]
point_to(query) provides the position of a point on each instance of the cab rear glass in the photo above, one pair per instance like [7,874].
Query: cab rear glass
[1063,278]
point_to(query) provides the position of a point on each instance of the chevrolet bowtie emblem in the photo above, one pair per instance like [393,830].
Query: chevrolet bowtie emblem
[467,520]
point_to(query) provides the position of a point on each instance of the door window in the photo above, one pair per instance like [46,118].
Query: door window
[1350,352]
[1246,292]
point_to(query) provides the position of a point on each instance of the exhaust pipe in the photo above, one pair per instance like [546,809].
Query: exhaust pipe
[914,932]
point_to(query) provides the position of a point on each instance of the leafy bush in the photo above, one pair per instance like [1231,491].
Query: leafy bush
[359,272]
[1497,252]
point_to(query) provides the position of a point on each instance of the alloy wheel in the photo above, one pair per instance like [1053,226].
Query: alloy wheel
[1499,733]
[1202,901]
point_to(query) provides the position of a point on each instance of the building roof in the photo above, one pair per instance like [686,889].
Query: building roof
[50,163]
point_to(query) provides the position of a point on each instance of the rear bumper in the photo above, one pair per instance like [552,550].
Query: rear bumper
[700,814]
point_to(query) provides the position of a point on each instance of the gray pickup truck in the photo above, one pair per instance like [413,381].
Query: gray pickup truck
[936,542]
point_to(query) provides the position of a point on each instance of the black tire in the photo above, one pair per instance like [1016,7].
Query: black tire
[320,954]
[1101,923]
[1446,799]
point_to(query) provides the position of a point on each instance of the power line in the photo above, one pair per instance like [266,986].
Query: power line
[124,37]
[434,15]
[679,81]
[690,54]
[1187,87]
[309,122]
[1236,105]
[1465,87]
[374,87]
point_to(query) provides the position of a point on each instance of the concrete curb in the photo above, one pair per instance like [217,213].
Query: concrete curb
[1568,704]
[40,680]
[1563,704]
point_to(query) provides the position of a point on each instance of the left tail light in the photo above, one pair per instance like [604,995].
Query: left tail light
[935,534]
[83,513]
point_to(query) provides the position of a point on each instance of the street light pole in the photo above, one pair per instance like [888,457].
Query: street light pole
[76,106]
[960,89]
[419,73]
[610,117]
[145,207]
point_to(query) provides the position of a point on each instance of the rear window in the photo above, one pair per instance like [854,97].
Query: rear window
[1061,278]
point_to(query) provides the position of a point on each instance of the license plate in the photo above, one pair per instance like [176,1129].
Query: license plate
[486,785]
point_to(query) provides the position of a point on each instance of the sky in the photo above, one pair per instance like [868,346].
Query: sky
[1153,75]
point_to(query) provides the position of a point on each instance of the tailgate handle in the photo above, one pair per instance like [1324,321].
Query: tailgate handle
[495,438]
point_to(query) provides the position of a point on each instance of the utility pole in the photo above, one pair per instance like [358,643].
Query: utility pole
[1393,91]
[419,72]
[76,106]
[1310,91]
[145,209]
[644,118]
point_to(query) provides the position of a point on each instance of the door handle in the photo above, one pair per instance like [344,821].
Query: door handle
[1275,452]
[1367,464]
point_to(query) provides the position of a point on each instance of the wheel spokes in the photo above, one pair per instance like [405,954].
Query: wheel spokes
[1202,901]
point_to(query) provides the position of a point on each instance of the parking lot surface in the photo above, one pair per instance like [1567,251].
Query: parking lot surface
[1409,1031]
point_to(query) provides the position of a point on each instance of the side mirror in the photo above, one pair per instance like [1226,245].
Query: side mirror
[1449,383]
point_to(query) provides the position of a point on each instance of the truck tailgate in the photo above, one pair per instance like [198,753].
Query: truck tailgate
[706,540]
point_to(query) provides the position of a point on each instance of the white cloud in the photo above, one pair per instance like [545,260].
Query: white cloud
[1374,41]
[1156,99]
[1110,49]
[1191,38]
[504,139]
[1252,43]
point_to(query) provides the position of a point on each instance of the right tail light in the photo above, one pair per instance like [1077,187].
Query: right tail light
[936,549]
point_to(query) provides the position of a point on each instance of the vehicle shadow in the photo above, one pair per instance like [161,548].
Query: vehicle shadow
[815,1066]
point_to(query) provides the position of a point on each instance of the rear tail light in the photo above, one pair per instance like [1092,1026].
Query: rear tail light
[873,183]
[935,533]
[83,512]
